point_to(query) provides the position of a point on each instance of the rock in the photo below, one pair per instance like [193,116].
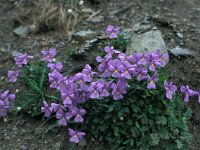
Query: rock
[139,27]
[15,53]
[142,42]
[178,51]
[57,146]
[22,31]
[3,50]
[23,147]
[87,10]
[180,35]
[96,20]
[84,35]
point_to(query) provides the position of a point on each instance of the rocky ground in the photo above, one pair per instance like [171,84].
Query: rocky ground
[172,25]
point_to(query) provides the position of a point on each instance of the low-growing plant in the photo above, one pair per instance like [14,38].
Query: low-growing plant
[126,102]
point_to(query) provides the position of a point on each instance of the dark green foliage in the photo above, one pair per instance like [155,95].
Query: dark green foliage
[144,120]
[35,78]
[120,42]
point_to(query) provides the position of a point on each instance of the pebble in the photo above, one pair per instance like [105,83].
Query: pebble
[180,35]
[178,51]
[84,35]
[23,147]
[22,31]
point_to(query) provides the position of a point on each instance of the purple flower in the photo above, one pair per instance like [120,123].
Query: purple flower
[124,59]
[75,136]
[140,73]
[163,58]
[55,67]
[4,106]
[105,89]
[22,59]
[55,107]
[87,73]
[63,117]
[152,80]
[79,115]
[188,92]
[112,31]
[115,68]
[127,71]
[95,88]
[110,51]
[46,109]
[103,67]
[67,98]
[170,89]
[119,89]
[49,54]
[152,60]
[54,78]
[13,75]
[7,96]
[66,85]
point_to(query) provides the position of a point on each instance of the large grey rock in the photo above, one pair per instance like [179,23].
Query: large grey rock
[22,31]
[178,51]
[148,40]
[84,35]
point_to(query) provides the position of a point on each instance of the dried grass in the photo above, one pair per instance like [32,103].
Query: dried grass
[54,15]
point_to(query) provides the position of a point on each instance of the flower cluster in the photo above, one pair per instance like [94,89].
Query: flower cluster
[5,100]
[114,70]
[6,97]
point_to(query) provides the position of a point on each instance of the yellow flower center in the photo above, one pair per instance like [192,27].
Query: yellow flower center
[116,71]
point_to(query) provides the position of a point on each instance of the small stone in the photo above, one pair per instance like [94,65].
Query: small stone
[96,20]
[22,31]
[85,35]
[87,10]
[23,147]
[57,146]
[180,35]
[178,51]
[139,27]
[15,53]
[3,50]
[150,40]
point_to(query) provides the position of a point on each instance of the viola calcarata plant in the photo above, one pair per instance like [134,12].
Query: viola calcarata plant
[125,102]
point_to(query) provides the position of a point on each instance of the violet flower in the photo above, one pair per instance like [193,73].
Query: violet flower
[152,61]
[105,89]
[4,106]
[114,68]
[75,136]
[119,89]
[152,80]
[188,92]
[163,58]
[110,52]
[127,71]
[112,31]
[79,115]
[95,88]
[22,59]
[13,75]
[63,117]
[67,98]
[55,67]
[140,73]
[54,78]
[87,73]
[7,96]
[49,54]
[103,67]
[170,89]
[46,109]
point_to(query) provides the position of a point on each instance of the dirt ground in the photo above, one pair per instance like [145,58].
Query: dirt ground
[170,16]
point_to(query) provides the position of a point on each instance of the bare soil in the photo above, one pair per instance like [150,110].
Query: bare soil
[170,16]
